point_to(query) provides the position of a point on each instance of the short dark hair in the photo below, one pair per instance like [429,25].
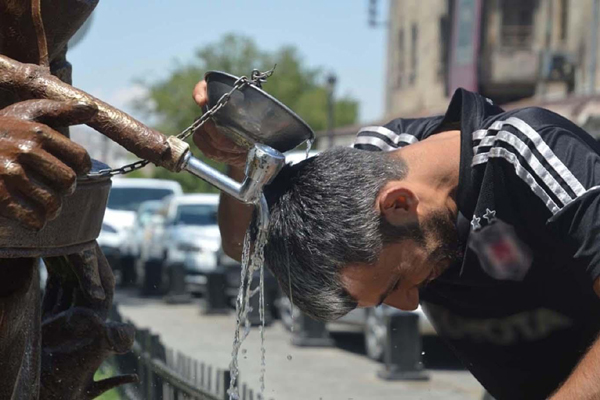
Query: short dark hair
[323,218]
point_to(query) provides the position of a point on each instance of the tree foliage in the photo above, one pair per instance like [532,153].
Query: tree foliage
[301,88]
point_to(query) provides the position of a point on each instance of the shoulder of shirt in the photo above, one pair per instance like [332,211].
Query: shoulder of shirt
[397,133]
[526,140]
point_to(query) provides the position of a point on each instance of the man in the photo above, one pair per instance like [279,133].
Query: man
[489,219]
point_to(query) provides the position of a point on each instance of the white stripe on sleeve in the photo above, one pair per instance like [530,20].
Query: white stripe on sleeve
[499,152]
[393,136]
[548,154]
[374,141]
[531,160]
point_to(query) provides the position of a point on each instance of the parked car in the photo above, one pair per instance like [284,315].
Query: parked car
[110,239]
[188,235]
[370,321]
[146,215]
[116,238]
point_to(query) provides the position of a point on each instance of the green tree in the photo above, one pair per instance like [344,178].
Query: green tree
[298,86]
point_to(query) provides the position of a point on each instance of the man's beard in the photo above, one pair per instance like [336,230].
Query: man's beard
[443,240]
[437,234]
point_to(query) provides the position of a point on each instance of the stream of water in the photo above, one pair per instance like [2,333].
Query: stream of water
[250,264]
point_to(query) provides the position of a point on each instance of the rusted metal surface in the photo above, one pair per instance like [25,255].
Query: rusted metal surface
[48,209]
[76,227]
[76,338]
[32,81]
[38,166]
[20,343]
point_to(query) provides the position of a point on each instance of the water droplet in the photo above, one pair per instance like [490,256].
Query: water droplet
[422,353]
[309,144]
[289,357]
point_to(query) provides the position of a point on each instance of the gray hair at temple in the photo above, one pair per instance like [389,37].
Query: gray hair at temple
[323,218]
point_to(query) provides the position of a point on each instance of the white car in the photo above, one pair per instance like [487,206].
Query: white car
[117,238]
[189,235]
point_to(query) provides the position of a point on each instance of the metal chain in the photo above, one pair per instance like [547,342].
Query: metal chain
[125,169]
[256,79]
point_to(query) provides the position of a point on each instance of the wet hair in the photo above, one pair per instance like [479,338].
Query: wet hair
[323,218]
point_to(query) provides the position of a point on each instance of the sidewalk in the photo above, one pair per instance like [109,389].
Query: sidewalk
[292,373]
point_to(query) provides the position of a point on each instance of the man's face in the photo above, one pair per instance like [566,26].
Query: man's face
[406,265]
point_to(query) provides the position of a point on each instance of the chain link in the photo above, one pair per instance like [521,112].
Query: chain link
[256,79]
[125,169]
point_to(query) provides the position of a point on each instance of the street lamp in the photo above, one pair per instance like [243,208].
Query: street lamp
[331,81]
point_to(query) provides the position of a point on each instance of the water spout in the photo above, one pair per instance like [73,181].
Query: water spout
[263,214]
[262,164]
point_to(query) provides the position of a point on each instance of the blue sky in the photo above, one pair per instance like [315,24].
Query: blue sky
[135,39]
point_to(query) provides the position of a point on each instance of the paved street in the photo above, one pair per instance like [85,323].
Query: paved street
[342,372]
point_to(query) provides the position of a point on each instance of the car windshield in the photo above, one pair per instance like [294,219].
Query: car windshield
[129,199]
[196,214]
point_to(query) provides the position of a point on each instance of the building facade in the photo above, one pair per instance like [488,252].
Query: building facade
[506,50]
[417,54]
[516,52]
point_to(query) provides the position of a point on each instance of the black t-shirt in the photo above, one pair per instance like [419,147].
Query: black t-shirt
[519,310]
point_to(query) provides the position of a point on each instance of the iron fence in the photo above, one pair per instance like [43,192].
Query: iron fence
[169,375]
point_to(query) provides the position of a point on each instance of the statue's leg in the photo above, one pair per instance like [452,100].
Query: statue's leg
[20,335]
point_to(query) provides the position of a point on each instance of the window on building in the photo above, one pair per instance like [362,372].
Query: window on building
[444,46]
[564,19]
[517,22]
[400,72]
[466,20]
[414,54]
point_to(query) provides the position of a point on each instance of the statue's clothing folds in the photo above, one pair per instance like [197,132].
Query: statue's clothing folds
[34,362]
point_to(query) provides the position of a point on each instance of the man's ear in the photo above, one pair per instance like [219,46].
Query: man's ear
[398,204]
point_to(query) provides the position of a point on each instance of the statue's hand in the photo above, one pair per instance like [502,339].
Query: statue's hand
[38,165]
[76,338]
[74,344]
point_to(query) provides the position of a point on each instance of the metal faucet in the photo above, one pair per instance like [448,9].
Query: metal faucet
[262,164]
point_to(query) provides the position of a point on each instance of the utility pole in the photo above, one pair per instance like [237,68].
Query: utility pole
[331,81]
[373,15]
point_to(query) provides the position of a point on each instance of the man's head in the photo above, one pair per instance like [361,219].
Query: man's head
[347,230]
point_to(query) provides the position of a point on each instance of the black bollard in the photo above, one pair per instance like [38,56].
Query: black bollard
[310,333]
[177,293]
[402,355]
[152,283]
[128,273]
[215,297]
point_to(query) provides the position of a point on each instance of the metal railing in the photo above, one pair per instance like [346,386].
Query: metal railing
[168,375]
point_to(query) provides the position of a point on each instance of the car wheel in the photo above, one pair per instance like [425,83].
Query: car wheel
[375,334]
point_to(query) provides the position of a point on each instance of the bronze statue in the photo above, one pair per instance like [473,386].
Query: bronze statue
[51,350]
